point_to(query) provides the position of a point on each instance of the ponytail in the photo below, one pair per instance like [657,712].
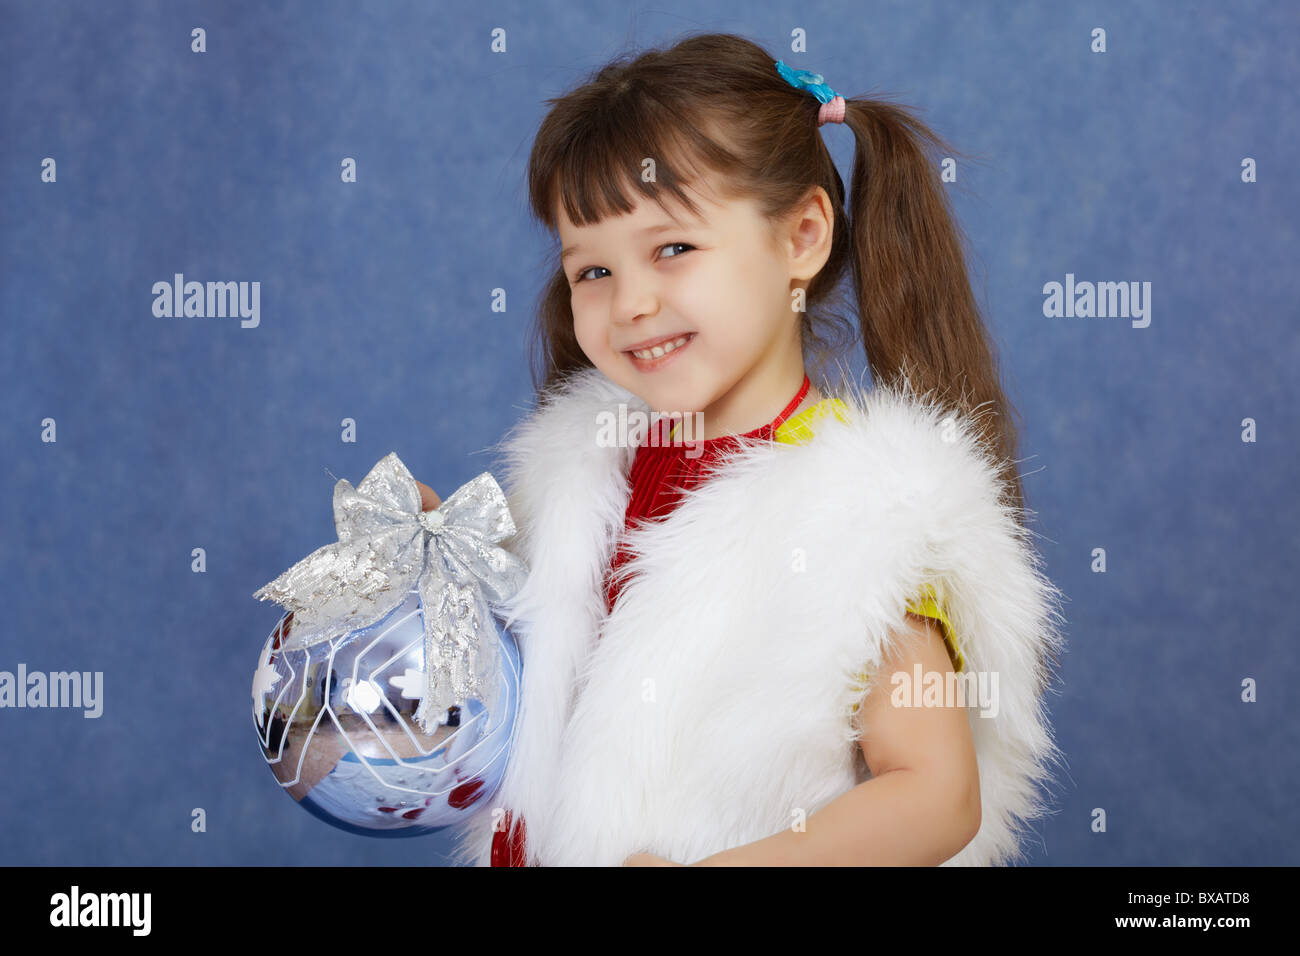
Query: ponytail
[918,317]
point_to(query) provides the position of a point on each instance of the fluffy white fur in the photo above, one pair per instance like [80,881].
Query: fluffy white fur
[716,705]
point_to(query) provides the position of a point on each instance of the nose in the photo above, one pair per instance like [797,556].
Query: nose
[635,296]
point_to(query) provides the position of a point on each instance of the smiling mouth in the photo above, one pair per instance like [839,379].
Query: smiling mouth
[652,356]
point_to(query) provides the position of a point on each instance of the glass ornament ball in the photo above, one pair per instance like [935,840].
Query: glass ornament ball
[336,724]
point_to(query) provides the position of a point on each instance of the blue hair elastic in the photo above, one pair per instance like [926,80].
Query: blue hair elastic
[832,110]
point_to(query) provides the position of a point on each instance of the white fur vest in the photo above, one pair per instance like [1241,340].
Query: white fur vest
[717,700]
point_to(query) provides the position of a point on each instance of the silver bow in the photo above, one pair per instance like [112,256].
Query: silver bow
[387,545]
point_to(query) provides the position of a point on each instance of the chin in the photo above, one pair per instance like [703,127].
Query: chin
[663,394]
[672,400]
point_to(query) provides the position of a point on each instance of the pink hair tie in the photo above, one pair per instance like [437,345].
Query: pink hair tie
[832,112]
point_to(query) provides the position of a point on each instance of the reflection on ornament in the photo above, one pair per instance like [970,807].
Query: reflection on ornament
[336,722]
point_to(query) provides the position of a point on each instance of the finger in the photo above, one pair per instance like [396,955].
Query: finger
[428,497]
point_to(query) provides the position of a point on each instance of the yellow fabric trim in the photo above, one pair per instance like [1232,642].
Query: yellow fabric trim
[797,429]
[929,606]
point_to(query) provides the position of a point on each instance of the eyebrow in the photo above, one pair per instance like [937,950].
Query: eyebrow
[648,231]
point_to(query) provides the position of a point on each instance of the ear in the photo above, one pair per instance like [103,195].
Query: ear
[807,235]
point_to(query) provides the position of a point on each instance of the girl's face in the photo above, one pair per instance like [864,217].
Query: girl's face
[722,280]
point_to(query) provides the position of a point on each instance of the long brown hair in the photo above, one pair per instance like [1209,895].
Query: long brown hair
[716,102]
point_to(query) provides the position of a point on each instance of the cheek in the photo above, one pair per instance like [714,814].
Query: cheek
[731,288]
[593,339]
[583,329]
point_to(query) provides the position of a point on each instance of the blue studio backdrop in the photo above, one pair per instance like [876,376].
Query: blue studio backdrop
[1138,143]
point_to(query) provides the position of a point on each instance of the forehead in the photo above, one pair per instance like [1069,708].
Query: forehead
[715,210]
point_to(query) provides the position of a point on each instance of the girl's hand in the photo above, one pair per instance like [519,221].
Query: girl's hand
[648,859]
[428,497]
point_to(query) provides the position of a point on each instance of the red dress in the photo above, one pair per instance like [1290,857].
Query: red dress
[660,474]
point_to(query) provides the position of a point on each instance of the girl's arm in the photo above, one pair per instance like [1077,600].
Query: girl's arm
[922,804]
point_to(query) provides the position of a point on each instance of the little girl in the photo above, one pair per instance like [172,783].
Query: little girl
[777,625]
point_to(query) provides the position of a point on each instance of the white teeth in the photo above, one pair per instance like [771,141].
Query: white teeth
[661,350]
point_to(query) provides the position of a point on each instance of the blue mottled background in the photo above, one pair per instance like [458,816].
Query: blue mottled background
[182,433]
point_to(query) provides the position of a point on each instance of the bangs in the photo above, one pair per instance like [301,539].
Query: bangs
[620,153]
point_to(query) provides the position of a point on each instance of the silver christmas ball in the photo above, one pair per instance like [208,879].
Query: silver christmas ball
[336,723]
